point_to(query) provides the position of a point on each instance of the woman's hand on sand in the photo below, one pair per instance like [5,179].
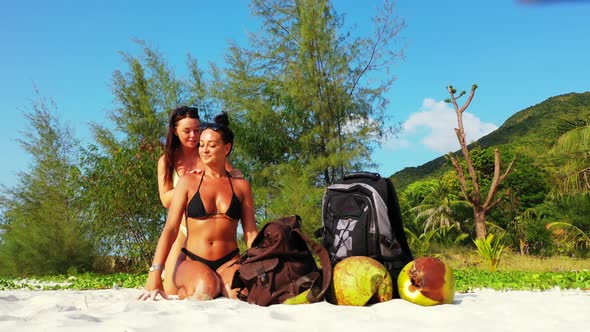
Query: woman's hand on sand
[152,294]
[153,287]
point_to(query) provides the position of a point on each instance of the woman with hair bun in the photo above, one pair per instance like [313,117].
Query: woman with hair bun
[214,203]
[180,157]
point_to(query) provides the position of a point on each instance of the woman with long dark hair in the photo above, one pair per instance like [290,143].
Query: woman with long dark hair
[180,157]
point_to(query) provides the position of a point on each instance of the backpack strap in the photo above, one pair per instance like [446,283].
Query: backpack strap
[362,175]
[322,253]
[395,217]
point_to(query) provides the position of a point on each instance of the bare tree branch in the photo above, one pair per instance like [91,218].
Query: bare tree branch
[461,176]
[460,132]
[474,196]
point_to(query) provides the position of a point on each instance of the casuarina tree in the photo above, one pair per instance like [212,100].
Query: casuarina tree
[42,229]
[306,90]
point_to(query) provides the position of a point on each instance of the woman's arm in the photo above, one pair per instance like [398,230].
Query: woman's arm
[234,172]
[248,218]
[169,234]
[165,189]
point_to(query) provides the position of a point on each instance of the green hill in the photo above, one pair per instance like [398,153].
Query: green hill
[531,131]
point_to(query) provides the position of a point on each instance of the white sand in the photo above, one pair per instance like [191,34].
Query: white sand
[117,310]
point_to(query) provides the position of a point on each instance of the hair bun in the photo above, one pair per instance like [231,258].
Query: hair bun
[222,119]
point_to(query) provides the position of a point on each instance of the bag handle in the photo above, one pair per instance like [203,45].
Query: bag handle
[322,253]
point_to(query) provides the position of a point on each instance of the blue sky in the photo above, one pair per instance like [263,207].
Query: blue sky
[519,55]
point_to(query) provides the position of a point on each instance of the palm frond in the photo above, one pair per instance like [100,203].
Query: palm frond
[568,235]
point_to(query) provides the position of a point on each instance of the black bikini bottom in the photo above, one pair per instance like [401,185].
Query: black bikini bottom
[214,265]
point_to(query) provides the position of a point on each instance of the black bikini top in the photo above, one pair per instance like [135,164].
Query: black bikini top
[196,209]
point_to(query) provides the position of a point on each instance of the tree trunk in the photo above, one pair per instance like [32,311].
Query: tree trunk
[523,246]
[480,223]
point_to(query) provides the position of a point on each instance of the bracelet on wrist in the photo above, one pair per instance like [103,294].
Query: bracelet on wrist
[156,267]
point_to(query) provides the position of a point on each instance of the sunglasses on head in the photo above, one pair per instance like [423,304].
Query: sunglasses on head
[210,125]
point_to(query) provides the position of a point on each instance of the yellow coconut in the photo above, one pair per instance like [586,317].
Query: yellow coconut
[360,280]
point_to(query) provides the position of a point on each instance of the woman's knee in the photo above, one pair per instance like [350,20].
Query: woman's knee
[203,289]
[197,281]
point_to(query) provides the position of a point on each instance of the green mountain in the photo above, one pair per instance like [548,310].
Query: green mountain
[531,131]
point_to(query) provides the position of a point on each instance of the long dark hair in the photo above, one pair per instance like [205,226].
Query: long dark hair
[172,141]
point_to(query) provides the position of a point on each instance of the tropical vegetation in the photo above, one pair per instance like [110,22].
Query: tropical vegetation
[301,97]
[306,109]
[546,205]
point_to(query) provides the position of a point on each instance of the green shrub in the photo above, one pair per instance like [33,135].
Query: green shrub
[491,249]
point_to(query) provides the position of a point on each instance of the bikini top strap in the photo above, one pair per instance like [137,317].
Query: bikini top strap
[202,176]
[230,183]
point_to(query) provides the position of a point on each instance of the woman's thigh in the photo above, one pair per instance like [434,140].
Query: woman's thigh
[226,273]
[197,281]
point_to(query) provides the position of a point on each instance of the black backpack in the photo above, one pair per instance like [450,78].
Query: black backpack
[361,217]
[280,266]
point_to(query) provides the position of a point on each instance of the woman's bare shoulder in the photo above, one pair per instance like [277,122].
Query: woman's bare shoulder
[161,165]
[162,160]
[240,180]
[241,184]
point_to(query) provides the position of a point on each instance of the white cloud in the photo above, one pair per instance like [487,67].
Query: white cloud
[433,126]
[399,143]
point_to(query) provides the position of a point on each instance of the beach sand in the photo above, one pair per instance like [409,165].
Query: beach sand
[118,310]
